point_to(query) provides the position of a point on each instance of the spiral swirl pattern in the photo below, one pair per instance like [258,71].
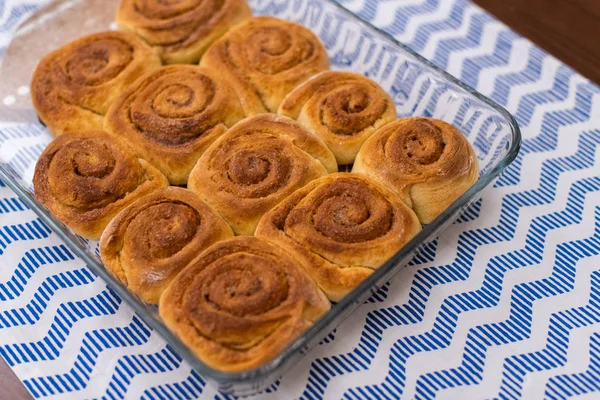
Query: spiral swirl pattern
[265,58]
[255,165]
[73,87]
[428,162]
[240,303]
[172,115]
[342,108]
[341,227]
[85,179]
[148,243]
[181,30]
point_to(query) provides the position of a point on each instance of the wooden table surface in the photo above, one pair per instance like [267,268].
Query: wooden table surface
[568,29]
[10,387]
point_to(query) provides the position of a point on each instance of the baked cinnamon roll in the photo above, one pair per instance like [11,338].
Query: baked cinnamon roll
[148,243]
[255,165]
[341,228]
[171,116]
[73,87]
[428,162]
[342,108]
[264,58]
[241,303]
[86,178]
[181,30]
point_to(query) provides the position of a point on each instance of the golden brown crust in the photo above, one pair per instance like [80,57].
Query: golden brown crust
[148,243]
[255,165]
[428,162]
[342,108]
[241,303]
[73,87]
[172,115]
[181,32]
[264,59]
[86,178]
[341,228]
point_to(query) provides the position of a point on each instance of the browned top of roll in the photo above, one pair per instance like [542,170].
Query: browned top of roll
[170,116]
[240,303]
[340,227]
[73,87]
[348,219]
[86,178]
[265,58]
[342,108]
[148,243]
[181,30]
[255,165]
[412,150]
[427,161]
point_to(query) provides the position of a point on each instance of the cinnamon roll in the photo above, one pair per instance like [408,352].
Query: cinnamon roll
[264,58]
[241,303]
[255,165]
[181,30]
[428,162]
[171,116]
[73,87]
[340,227]
[342,108]
[86,178]
[148,243]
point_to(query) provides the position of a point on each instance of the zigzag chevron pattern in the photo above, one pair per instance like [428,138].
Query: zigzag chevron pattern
[505,304]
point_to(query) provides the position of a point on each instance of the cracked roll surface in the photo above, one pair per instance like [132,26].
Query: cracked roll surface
[265,58]
[181,30]
[240,303]
[73,87]
[342,108]
[428,162]
[172,115]
[86,178]
[341,228]
[255,165]
[148,243]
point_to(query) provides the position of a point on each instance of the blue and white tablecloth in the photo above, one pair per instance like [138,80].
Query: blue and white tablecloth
[506,304]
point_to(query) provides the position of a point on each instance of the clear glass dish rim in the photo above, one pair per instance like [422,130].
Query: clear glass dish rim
[317,330]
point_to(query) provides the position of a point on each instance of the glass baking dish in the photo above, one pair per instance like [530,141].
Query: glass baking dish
[417,87]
